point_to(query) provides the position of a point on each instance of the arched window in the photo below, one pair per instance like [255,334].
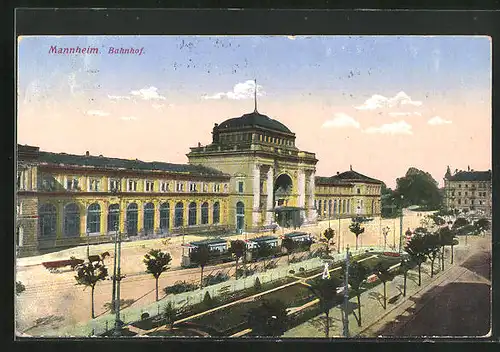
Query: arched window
[192,214]
[47,219]
[348,205]
[204,213]
[329,208]
[132,218]
[179,214]
[240,216]
[335,206]
[319,207]
[164,216]
[94,218]
[71,220]
[216,215]
[149,218]
[113,217]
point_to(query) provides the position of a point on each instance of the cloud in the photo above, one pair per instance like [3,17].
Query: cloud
[118,97]
[150,93]
[97,113]
[341,120]
[405,113]
[377,101]
[400,127]
[128,118]
[240,91]
[158,106]
[437,120]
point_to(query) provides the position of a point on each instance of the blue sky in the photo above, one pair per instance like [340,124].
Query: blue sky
[322,79]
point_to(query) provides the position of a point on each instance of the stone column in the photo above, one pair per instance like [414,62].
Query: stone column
[270,191]
[301,188]
[256,196]
[312,214]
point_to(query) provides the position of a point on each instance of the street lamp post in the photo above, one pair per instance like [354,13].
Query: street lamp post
[401,226]
[118,279]
[338,247]
[346,294]
[88,242]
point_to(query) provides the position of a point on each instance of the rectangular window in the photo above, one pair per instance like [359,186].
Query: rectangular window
[94,185]
[465,193]
[180,186]
[72,184]
[192,187]
[216,187]
[114,185]
[149,186]
[240,186]
[132,186]
[466,186]
[459,202]
[459,193]
[165,187]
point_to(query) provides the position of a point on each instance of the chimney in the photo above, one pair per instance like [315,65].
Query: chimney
[350,167]
[87,153]
[468,167]
[338,173]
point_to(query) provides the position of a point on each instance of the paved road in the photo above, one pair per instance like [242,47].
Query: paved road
[459,306]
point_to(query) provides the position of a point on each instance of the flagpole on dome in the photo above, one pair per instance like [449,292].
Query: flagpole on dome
[255,95]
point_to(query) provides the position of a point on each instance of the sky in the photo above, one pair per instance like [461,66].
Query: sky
[382,104]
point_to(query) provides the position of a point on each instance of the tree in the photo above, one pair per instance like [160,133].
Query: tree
[289,245]
[482,224]
[417,250]
[264,250]
[418,188]
[432,245]
[268,319]
[20,288]
[356,229]
[201,256]
[460,222]
[327,239]
[405,266]
[381,270]
[358,274]
[326,292]
[238,248]
[89,274]
[157,263]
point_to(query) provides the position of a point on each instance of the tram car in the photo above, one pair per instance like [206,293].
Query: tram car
[218,249]
[299,236]
[253,245]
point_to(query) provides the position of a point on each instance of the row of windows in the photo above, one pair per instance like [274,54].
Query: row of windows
[459,202]
[480,185]
[95,184]
[242,137]
[71,217]
[480,194]
[332,207]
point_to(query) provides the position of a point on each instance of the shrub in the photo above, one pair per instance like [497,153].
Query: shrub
[180,287]
[207,300]
[301,270]
[144,315]
[215,279]
[291,272]
[257,285]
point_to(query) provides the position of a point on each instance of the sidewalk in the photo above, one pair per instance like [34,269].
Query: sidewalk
[372,311]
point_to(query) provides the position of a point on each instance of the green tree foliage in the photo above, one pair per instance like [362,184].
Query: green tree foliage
[418,188]
[264,251]
[207,300]
[89,274]
[169,314]
[358,273]
[289,245]
[268,319]
[201,256]
[157,263]
[384,275]
[326,292]
[433,246]
[356,229]
[20,287]
[238,249]
[257,285]
[405,266]
[327,239]
[447,238]
[417,250]
[482,225]
[460,222]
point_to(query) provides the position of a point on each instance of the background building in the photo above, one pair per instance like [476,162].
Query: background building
[249,178]
[468,190]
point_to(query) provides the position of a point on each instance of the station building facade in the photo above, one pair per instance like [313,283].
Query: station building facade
[251,174]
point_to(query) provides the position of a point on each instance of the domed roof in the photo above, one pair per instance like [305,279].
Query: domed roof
[254,119]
